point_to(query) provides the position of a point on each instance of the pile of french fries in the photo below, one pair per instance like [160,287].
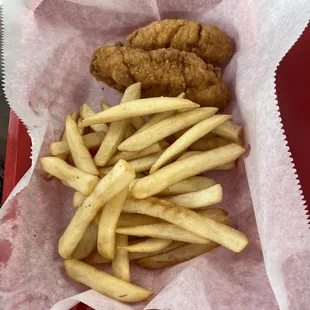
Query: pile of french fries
[140,198]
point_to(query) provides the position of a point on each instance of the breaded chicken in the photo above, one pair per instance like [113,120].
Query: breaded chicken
[162,72]
[207,41]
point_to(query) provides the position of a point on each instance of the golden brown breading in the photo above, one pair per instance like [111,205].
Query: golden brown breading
[207,41]
[162,72]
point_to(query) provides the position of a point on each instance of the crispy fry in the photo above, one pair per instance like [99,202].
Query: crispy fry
[78,199]
[95,258]
[199,199]
[91,140]
[81,156]
[87,111]
[75,116]
[180,170]
[230,131]
[148,245]
[188,154]
[137,255]
[189,220]
[189,185]
[138,165]
[127,219]
[162,230]
[135,155]
[215,214]
[190,136]
[163,129]
[138,108]
[107,225]
[156,118]
[224,167]
[176,256]
[104,283]
[208,144]
[120,264]
[87,243]
[75,178]
[119,178]
[117,130]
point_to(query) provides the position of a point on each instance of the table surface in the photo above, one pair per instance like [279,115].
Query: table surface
[292,82]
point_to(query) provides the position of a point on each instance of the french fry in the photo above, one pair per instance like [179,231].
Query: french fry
[117,130]
[230,131]
[104,105]
[80,153]
[208,144]
[73,177]
[137,122]
[176,256]
[189,220]
[163,231]
[156,118]
[191,135]
[127,219]
[165,128]
[199,199]
[188,154]
[218,215]
[119,178]
[107,225]
[135,155]
[130,131]
[91,140]
[95,258]
[87,243]
[78,199]
[75,116]
[215,214]
[180,170]
[224,167]
[139,107]
[87,111]
[192,184]
[149,245]
[137,255]
[120,264]
[104,283]
[138,165]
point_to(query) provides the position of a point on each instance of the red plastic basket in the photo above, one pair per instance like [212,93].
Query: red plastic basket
[292,81]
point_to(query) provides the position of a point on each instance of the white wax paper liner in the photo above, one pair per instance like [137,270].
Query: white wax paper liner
[47,46]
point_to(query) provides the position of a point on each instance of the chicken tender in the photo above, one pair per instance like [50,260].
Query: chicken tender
[207,41]
[162,72]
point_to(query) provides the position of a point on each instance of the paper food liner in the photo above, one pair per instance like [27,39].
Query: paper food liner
[47,49]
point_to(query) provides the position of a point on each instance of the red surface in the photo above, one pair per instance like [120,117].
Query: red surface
[293,80]
[17,160]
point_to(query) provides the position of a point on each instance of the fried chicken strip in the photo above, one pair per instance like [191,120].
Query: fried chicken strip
[207,41]
[162,72]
